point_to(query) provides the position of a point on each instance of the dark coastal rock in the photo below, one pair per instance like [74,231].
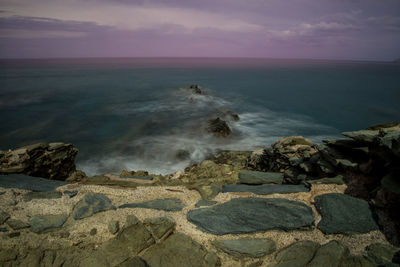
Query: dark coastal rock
[330,255]
[2,192]
[42,195]
[25,182]
[180,250]
[203,202]
[70,193]
[250,215]
[53,161]
[3,229]
[195,89]
[167,204]
[218,127]
[91,204]
[265,189]
[257,178]
[297,254]
[4,216]
[160,226]
[17,224]
[228,115]
[246,247]
[391,183]
[365,136]
[113,227]
[182,154]
[380,254]
[343,214]
[43,223]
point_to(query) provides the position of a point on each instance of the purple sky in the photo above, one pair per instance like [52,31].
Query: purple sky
[326,29]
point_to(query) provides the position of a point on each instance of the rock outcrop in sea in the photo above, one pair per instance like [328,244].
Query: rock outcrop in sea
[295,203]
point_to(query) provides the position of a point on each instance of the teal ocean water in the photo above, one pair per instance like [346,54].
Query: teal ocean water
[137,114]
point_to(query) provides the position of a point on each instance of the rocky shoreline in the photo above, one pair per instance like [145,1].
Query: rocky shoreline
[294,203]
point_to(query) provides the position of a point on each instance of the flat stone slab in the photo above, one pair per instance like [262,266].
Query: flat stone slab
[160,226]
[147,177]
[42,195]
[90,205]
[70,193]
[343,214]
[246,247]
[43,223]
[26,182]
[265,189]
[17,224]
[297,254]
[251,215]
[180,250]
[257,178]
[167,204]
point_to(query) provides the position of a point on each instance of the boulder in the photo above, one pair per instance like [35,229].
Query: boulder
[52,161]
[43,223]
[343,214]
[218,127]
[265,189]
[251,215]
[257,178]
[246,247]
[167,204]
[90,205]
[180,250]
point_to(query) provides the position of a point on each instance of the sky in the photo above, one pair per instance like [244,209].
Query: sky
[316,29]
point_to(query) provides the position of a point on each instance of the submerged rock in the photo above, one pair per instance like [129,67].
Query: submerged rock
[218,127]
[53,161]
[251,215]
[91,204]
[180,250]
[246,247]
[265,189]
[167,204]
[257,178]
[43,223]
[343,214]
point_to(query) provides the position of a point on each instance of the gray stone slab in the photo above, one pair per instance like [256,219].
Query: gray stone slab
[251,215]
[296,254]
[43,223]
[167,204]
[26,182]
[17,224]
[203,202]
[71,193]
[42,195]
[265,189]
[343,214]
[90,205]
[257,178]
[246,247]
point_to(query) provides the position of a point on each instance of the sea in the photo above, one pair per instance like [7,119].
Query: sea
[137,113]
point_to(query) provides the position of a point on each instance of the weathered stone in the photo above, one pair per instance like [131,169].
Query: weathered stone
[3,229]
[330,255]
[53,161]
[257,178]
[70,193]
[356,261]
[25,182]
[42,195]
[76,176]
[17,224]
[167,204]
[218,127]
[297,254]
[180,250]
[246,247]
[202,202]
[7,255]
[131,220]
[334,180]
[380,254]
[91,204]
[113,227]
[345,163]
[367,136]
[160,226]
[250,215]
[43,223]
[13,234]
[208,192]
[265,189]
[343,214]
[4,216]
